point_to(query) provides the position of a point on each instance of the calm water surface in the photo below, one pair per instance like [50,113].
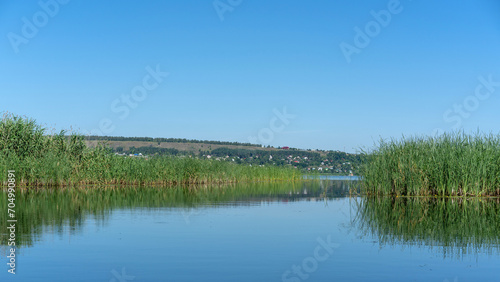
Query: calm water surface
[314,231]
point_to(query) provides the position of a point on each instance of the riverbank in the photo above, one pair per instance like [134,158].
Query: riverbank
[40,159]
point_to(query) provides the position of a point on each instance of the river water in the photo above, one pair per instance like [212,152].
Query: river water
[313,231]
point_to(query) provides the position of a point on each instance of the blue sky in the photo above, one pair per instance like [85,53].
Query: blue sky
[232,65]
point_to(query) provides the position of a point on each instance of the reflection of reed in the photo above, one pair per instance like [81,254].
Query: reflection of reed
[457,226]
[66,209]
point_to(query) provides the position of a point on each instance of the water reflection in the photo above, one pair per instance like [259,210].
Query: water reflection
[453,226]
[60,211]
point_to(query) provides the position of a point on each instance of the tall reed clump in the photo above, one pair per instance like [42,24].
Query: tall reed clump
[455,164]
[42,159]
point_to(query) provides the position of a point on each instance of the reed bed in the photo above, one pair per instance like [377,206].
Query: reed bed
[454,164]
[63,159]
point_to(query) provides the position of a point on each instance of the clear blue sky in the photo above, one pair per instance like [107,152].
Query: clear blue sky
[67,64]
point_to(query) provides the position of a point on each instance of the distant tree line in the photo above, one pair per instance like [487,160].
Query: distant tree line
[336,156]
[278,154]
[159,140]
[309,160]
[151,151]
[336,161]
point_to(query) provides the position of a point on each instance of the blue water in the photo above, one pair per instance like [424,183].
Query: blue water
[311,239]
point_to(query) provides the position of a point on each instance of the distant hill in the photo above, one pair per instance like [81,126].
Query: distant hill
[180,144]
[164,140]
[324,161]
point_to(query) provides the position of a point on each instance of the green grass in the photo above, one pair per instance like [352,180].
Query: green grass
[40,159]
[448,165]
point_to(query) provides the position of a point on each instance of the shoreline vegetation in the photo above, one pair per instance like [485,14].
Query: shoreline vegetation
[449,165]
[456,164]
[54,160]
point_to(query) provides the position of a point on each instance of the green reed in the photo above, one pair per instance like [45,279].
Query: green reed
[42,159]
[451,164]
[456,226]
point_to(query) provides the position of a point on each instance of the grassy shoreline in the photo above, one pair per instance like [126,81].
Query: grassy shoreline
[42,160]
[449,165]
